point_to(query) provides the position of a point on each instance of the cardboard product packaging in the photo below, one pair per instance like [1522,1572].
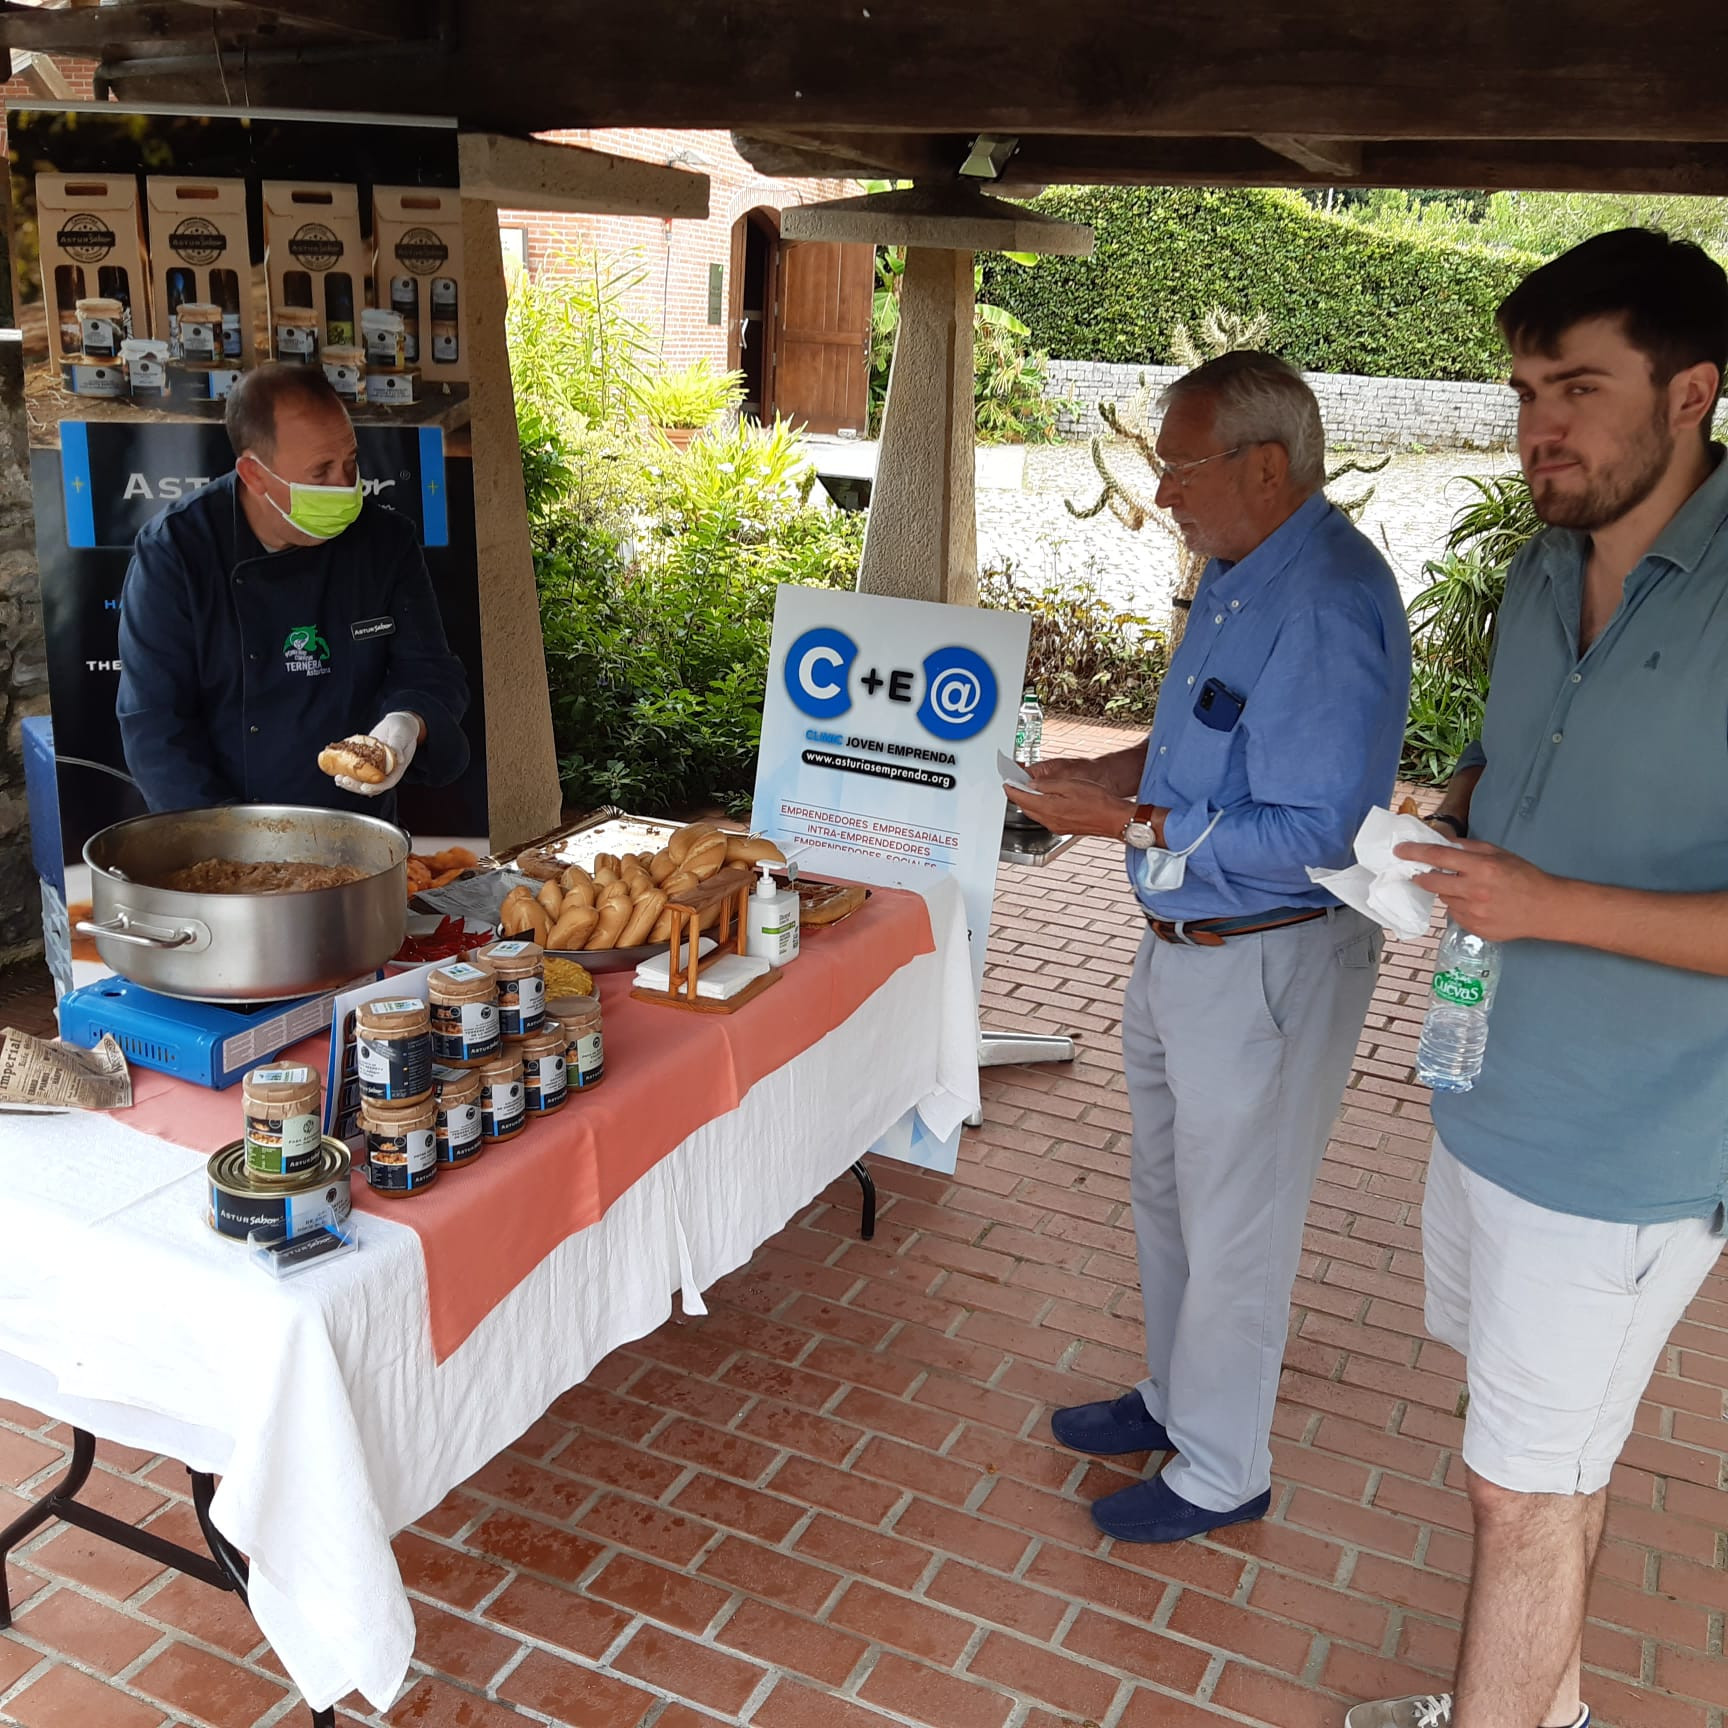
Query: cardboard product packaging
[417,272]
[314,259]
[201,256]
[92,245]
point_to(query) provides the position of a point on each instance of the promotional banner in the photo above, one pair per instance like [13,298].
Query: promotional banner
[880,732]
[157,256]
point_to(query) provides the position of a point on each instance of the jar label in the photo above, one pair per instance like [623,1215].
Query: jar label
[462,1031]
[100,336]
[501,1109]
[399,1161]
[395,1069]
[590,1062]
[459,1137]
[282,1145]
[545,1081]
[299,339]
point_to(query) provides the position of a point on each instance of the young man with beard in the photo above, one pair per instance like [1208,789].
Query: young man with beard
[1575,1195]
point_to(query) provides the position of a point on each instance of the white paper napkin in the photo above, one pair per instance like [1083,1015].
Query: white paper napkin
[1379,882]
[1013,774]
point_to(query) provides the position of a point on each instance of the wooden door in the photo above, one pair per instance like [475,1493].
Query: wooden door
[822,334]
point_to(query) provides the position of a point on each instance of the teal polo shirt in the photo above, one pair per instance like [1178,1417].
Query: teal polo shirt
[1604,1089]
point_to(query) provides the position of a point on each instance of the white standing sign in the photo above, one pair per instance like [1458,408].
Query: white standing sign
[880,733]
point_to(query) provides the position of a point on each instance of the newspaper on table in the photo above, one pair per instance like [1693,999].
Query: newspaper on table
[37,1074]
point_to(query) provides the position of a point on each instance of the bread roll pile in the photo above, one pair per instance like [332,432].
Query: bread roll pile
[622,902]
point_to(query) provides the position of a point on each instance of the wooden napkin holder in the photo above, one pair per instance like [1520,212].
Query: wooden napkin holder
[727,890]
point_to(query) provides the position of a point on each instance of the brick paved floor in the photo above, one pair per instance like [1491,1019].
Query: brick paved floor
[833,1503]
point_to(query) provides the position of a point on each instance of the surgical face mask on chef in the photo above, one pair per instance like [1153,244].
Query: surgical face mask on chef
[1155,870]
[321,511]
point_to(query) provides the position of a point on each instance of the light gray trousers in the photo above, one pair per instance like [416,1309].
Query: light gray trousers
[1236,1060]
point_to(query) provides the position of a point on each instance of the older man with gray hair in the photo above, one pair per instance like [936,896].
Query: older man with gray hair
[1279,726]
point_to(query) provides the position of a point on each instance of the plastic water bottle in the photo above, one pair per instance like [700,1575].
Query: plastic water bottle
[1028,730]
[1455,1034]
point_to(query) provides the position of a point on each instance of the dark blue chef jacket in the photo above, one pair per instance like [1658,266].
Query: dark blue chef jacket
[237,665]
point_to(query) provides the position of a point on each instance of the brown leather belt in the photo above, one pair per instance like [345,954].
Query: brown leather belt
[1215,932]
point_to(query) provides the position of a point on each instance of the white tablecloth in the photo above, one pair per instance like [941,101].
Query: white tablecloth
[317,1400]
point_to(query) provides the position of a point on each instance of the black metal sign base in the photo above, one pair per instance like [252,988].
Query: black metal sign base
[223,1568]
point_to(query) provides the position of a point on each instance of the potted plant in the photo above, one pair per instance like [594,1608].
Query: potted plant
[681,404]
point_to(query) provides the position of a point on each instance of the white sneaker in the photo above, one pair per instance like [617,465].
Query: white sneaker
[1433,1711]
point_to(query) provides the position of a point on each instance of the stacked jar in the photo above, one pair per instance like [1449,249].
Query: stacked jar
[398,1106]
[506,1097]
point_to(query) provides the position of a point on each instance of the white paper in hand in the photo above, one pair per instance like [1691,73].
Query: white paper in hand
[1013,774]
[1379,882]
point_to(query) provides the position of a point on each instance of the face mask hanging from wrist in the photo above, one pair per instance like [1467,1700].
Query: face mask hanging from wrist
[321,511]
[1155,870]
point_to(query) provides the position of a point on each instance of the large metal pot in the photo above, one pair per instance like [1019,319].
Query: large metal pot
[246,947]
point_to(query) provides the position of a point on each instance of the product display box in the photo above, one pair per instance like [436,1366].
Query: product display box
[93,273]
[201,255]
[417,273]
[315,262]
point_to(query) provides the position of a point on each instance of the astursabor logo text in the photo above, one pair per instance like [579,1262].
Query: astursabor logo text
[1458,988]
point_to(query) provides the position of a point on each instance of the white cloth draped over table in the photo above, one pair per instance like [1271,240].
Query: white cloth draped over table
[318,1401]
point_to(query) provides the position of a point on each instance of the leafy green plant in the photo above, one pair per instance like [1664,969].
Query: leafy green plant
[1452,652]
[1445,715]
[693,398]
[657,579]
[1088,656]
[1496,524]
[1009,403]
[577,355]
[1342,297]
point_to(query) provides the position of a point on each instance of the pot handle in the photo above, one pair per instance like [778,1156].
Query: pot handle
[121,929]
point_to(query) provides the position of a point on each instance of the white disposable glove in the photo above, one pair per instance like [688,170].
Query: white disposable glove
[401,732]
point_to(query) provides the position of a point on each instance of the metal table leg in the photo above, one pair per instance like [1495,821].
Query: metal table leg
[1003,1049]
[223,1568]
[867,1223]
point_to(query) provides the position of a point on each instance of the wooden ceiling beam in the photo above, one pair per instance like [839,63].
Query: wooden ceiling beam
[1498,165]
[1315,69]
[531,174]
[1336,158]
[385,20]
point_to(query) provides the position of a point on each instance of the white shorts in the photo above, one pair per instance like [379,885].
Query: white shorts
[1560,1320]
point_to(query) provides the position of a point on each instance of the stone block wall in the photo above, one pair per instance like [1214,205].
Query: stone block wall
[1370,413]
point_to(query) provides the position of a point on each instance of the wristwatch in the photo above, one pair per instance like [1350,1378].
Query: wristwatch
[1456,823]
[1138,831]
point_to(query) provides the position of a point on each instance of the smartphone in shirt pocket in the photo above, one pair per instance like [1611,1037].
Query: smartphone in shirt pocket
[1218,706]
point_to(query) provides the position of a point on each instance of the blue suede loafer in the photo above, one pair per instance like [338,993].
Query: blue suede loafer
[1113,1425]
[1154,1512]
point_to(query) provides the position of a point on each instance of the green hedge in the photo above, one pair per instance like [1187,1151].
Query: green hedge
[1341,298]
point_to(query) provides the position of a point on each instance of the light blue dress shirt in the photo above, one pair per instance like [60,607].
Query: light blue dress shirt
[1604,1088]
[1309,631]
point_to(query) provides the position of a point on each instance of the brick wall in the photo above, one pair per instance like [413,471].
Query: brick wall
[674,257]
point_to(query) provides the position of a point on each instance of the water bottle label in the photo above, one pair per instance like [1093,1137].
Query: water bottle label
[1460,989]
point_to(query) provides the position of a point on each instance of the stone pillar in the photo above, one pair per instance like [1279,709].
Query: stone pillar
[522,792]
[921,542]
[922,538]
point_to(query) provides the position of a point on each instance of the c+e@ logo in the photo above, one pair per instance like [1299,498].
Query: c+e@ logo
[960,690]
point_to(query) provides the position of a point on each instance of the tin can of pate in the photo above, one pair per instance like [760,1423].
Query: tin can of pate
[241,1206]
